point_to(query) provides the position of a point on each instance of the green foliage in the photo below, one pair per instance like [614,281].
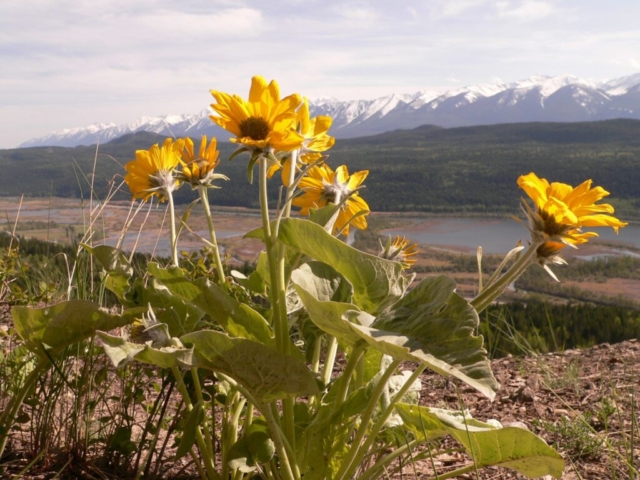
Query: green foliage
[488,444]
[456,170]
[546,327]
[574,436]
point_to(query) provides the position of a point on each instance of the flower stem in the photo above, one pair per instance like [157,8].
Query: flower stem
[204,197]
[347,374]
[350,459]
[291,186]
[172,223]
[277,295]
[330,360]
[204,451]
[495,289]
[387,411]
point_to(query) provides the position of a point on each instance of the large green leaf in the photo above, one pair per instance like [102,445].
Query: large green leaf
[442,325]
[324,282]
[265,372]
[178,313]
[487,444]
[117,266]
[63,324]
[238,319]
[377,282]
[120,352]
[328,316]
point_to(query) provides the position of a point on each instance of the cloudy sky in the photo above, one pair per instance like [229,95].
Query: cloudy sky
[71,63]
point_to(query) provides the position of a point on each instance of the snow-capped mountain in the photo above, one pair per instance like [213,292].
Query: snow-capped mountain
[563,98]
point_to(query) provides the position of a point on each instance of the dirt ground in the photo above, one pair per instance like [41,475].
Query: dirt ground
[585,403]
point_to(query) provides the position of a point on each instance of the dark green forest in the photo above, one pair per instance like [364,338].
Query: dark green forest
[427,169]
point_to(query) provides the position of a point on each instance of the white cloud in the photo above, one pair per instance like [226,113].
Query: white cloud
[359,14]
[81,61]
[453,8]
[527,10]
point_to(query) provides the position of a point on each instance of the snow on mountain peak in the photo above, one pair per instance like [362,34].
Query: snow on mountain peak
[469,105]
[620,86]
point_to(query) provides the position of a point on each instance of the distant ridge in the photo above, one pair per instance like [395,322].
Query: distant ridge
[540,98]
[464,170]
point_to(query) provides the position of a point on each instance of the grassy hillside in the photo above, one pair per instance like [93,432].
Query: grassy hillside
[431,169]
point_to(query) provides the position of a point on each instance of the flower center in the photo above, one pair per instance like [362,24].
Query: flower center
[335,192]
[551,227]
[162,181]
[256,128]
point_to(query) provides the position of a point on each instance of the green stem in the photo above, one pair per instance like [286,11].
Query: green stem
[345,468]
[172,223]
[205,422]
[277,437]
[315,359]
[13,407]
[204,197]
[277,293]
[291,182]
[495,289]
[388,410]
[208,461]
[345,378]
[330,360]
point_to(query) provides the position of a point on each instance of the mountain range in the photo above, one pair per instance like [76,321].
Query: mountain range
[541,98]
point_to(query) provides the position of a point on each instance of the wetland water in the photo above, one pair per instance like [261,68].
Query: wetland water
[499,235]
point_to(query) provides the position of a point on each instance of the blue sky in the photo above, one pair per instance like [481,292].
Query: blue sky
[71,63]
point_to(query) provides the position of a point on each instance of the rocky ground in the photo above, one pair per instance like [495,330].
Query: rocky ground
[584,403]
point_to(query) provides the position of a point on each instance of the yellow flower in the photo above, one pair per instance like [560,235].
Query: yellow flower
[561,210]
[314,131]
[198,170]
[322,185]
[151,173]
[400,251]
[262,122]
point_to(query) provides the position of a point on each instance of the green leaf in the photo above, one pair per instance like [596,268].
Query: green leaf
[430,325]
[192,423]
[267,373]
[121,442]
[117,266]
[328,316]
[238,319]
[180,315]
[442,323]
[325,441]
[121,352]
[377,282]
[254,282]
[487,444]
[252,448]
[324,282]
[323,215]
[66,323]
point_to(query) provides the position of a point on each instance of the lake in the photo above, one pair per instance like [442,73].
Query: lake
[497,235]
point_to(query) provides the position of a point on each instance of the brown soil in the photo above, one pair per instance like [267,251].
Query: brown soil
[582,402]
